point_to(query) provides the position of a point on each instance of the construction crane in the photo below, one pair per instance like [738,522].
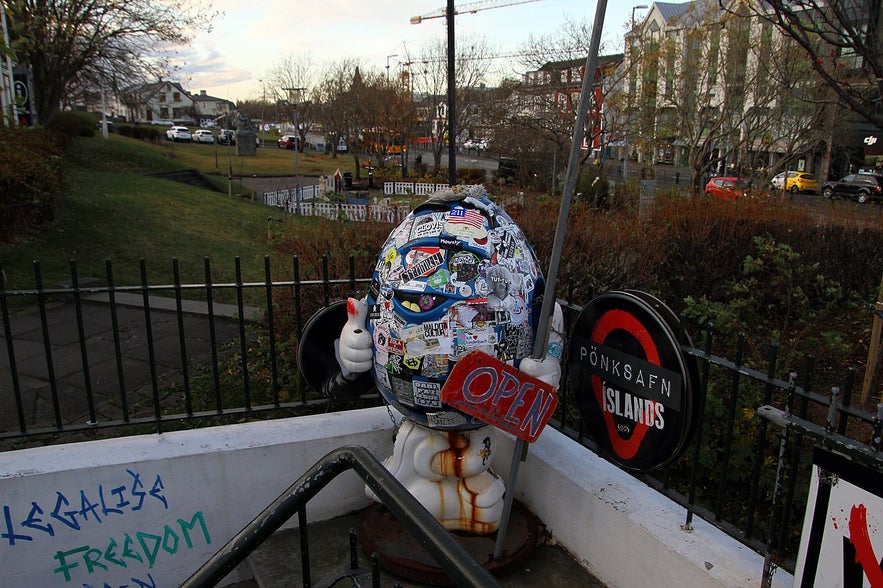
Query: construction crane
[469,7]
[449,12]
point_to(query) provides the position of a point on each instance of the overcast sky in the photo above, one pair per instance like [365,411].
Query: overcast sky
[252,36]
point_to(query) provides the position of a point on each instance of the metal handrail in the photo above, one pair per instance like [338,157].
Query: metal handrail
[450,555]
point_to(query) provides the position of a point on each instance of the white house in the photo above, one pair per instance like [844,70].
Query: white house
[159,101]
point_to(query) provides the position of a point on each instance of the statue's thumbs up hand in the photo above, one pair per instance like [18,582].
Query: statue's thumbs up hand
[355,348]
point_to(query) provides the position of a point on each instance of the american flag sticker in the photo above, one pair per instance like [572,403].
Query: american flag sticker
[463,216]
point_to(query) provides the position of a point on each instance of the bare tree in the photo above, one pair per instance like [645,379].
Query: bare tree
[541,109]
[350,102]
[291,80]
[746,111]
[76,45]
[471,64]
[843,43]
[334,109]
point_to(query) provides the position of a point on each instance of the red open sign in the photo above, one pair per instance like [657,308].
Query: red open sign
[495,392]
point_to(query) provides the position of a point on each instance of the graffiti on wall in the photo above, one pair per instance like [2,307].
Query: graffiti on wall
[116,526]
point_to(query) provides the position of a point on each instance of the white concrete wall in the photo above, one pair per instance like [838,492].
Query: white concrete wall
[620,529]
[124,499]
[132,504]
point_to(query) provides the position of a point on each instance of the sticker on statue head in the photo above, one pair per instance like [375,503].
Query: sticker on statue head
[446,290]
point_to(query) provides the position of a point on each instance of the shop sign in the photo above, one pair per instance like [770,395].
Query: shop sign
[632,382]
[498,394]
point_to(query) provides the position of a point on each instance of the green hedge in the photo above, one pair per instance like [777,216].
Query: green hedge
[73,123]
[142,132]
[31,180]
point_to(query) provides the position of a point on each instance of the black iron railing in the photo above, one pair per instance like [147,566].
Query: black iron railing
[91,356]
[459,566]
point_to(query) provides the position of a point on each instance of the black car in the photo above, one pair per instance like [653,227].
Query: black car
[861,187]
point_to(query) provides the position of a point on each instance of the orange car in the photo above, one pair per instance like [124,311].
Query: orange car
[727,187]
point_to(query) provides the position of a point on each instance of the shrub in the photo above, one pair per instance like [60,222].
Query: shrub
[766,269]
[142,132]
[73,123]
[30,180]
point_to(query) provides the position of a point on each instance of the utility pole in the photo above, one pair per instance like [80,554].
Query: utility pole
[449,13]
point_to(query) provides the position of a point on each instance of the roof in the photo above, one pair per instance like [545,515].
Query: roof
[151,88]
[206,98]
[669,10]
[603,61]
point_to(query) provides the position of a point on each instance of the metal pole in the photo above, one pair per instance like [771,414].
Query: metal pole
[542,334]
[452,90]
[296,167]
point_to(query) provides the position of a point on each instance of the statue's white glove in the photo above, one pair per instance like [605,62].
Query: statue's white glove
[548,369]
[355,348]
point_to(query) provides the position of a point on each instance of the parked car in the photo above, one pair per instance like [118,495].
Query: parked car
[795,182]
[861,187]
[227,137]
[179,134]
[287,141]
[727,187]
[203,136]
[480,144]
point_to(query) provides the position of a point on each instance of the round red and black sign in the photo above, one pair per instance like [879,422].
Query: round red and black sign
[633,384]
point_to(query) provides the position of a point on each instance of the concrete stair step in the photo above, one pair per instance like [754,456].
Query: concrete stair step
[276,564]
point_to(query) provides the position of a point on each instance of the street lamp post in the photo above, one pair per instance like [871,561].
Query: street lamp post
[628,117]
[296,147]
[638,7]
[263,106]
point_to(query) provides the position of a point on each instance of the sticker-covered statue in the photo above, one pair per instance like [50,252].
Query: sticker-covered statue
[456,275]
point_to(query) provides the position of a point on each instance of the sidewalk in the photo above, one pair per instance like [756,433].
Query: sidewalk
[50,359]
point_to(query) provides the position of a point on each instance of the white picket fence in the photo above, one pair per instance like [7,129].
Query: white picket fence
[356,212]
[410,188]
[309,204]
[286,198]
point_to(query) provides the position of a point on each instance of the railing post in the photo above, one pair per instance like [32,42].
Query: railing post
[697,440]
[213,337]
[151,351]
[117,345]
[271,330]
[10,351]
[243,342]
[182,337]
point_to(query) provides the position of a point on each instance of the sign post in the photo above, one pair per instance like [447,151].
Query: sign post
[514,399]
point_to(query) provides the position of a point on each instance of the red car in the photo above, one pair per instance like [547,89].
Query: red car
[287,141]
[727,188]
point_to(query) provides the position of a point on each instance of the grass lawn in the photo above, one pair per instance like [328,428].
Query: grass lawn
[269,161]
[111,210]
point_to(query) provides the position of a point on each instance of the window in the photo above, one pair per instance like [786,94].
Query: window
[670,57]
[713,56]
[176,97]
[161,97]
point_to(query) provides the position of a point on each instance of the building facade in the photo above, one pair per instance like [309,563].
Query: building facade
[159,102]
[721,90]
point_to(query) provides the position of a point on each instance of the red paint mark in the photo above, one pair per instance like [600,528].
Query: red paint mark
[834,520]
[610,321]
[864,551]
